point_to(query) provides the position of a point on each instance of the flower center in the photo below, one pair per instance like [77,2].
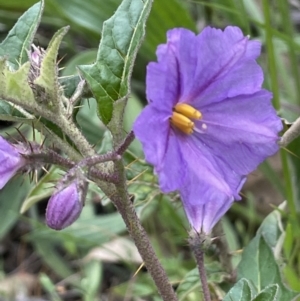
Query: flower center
[182,115]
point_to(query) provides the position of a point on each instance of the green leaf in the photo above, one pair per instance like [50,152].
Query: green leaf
[271,228]
[260,267]
[122,35]
[81,58]
[49,287]
[241,291]
[11,112]
[48,78]
[190,287]
[89,123]
[42,189]
[92,279]
[11,198]
[143,287]
[88,231]
[86,20]
[270,293]
[20,37]
[53,258]
[168,14]
[69,83]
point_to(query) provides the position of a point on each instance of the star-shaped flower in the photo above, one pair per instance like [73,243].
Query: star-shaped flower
[208,122]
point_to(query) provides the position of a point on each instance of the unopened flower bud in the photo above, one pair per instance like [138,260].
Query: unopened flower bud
[10,161]
[35,57]
[65,205]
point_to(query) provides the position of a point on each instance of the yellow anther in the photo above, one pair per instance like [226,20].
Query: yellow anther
[182,123]
[187,111]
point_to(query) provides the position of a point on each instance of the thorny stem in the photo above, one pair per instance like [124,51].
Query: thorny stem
[197,242]
[126,142]
[126,208]
[49,156]
[124,205]
[119,196]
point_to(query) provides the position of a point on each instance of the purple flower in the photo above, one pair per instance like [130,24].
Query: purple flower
[64,206]
[10,161]
[208,122]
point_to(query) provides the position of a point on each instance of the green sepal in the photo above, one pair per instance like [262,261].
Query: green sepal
[17,86]
[47,82]
[14,84]
[122,35]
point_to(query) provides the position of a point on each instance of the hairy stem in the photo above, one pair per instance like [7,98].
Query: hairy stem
[126,208]
[50,156]
[124,205]
[197,244]
[119,196]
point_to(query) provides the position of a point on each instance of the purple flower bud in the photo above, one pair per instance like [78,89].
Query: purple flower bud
[64,206]
[10,161]
[35,57]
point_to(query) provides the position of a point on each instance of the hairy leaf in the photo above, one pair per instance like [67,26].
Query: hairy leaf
[270,293]
[260,267]
[122,34]
[241,291]
[18,42]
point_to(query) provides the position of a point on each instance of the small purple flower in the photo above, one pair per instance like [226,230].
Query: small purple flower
[64,206]
[10,161]
[208,122]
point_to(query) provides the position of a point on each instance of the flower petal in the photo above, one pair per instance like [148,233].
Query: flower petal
[218,66]
[152,128]
[216,73]
[207,167]
[245,78]
[230,36]
[210,188]
[203,216]
[241,131]
[225,63]
[10,161]
[213,43]
[182,43]
[172,176]
[163,85]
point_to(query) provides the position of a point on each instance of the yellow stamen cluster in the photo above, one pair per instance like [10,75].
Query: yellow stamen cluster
[182,115]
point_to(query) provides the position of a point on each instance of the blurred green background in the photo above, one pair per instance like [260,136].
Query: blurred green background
[94,259]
